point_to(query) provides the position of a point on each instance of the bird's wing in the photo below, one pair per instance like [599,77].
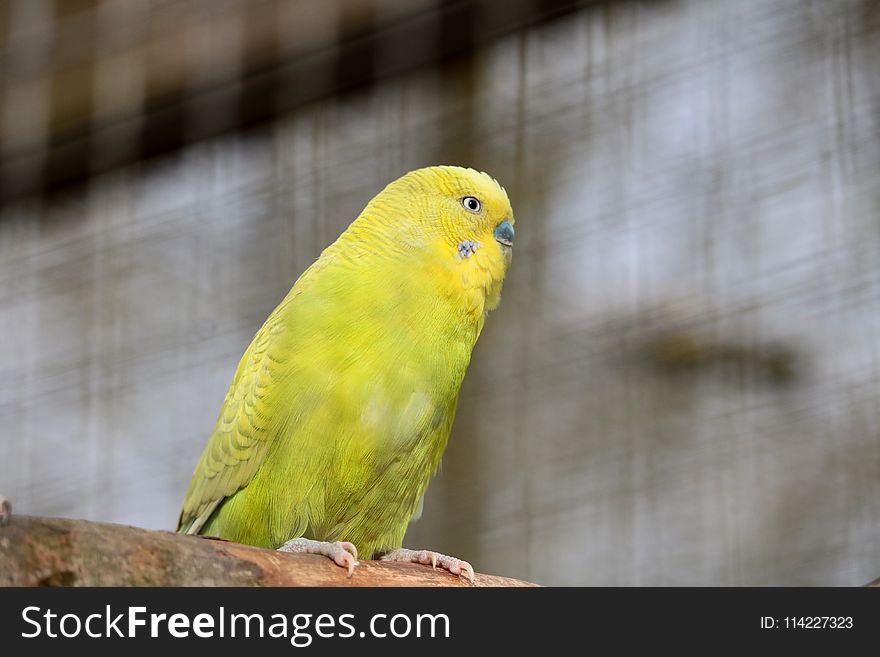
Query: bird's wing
[241,439]
[244,431]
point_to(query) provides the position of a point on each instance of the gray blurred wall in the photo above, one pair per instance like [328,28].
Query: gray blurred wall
[682,384]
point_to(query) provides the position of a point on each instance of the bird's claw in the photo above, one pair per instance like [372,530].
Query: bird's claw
[342,553]
[434,559]
[345,555]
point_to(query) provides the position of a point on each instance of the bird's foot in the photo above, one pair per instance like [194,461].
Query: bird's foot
[5,511]
[434,559]
[345,554]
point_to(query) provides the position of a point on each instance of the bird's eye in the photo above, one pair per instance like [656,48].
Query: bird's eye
[471,204]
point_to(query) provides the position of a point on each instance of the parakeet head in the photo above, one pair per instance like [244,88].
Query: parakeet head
[455,224]
[466,208]
[460,223]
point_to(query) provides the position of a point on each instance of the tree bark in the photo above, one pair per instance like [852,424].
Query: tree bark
[58,552]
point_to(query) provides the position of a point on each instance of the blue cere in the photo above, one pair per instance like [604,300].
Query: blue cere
[504,233]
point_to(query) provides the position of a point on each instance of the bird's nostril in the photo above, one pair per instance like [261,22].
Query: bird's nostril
[504,233]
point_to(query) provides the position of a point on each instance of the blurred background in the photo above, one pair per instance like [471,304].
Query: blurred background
[682,383]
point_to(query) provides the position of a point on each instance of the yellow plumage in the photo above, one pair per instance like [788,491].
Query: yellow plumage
[340,409]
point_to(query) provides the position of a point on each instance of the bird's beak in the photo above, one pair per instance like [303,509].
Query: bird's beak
[504,234]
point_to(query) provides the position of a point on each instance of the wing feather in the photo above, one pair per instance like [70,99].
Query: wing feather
[241,438]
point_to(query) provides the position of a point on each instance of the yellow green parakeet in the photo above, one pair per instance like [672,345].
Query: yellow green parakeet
[340,409]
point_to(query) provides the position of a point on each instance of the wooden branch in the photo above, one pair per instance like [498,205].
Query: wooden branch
[57,552]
